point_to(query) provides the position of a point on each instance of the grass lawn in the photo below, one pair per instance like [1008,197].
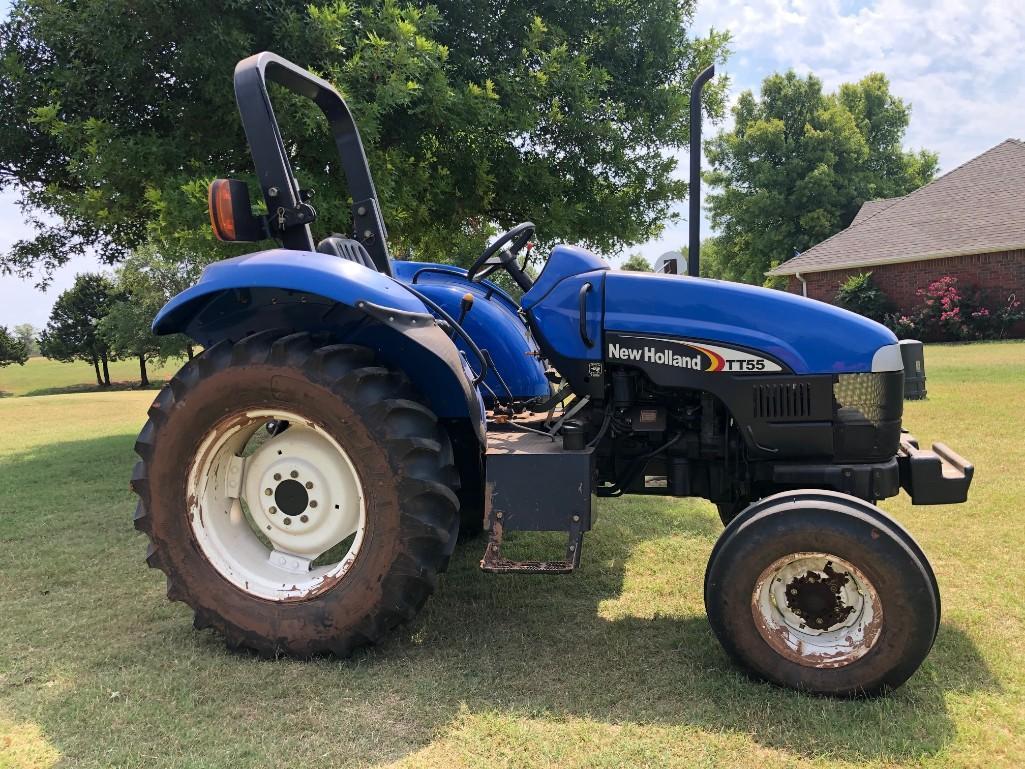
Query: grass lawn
[41,376]
[613,666]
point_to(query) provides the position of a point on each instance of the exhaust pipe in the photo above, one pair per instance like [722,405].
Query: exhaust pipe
[694,191]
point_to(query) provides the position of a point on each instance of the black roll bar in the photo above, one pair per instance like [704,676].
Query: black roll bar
[290,214]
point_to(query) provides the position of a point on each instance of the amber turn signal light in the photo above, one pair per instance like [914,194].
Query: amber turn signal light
[231,212]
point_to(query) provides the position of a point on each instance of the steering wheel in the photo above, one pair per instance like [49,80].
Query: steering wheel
[502,253]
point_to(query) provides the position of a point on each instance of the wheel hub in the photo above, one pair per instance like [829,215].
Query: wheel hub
[291,497]
[817,597]
[298,491]
[817,609]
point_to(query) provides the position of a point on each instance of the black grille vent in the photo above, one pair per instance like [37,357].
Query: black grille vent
[782,401]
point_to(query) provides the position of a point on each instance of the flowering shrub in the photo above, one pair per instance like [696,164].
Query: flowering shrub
[951,313]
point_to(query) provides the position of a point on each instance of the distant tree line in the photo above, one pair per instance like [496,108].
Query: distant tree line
[103,318]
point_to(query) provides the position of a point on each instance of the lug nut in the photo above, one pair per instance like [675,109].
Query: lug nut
[294,473]
[304,518]
[272,510]
[268,492]
[309,484]
[277,476]
[288,521]
[313,503]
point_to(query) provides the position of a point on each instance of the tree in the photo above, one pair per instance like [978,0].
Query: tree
[28,335]
[118,113]
[72,331]
[798,164]
[12,349]
[146,281]
[125,329]
[636,263]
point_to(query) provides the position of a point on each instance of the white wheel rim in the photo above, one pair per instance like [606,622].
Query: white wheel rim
[302,493]
[817,610]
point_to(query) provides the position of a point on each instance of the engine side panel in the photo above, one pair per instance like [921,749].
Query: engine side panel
[806,336]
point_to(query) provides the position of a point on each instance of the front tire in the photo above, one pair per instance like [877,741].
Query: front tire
[822,592]
[320,538]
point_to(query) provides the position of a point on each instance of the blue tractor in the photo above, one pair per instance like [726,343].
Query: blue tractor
[305,479]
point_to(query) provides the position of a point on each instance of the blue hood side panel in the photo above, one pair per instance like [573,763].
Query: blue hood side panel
[563,262]
[557,317]
[307,271]
[810,337]
[493,324]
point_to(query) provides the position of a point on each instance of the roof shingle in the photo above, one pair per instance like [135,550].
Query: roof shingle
[978,207]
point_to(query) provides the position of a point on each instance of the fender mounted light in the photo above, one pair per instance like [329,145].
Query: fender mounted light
[231,212]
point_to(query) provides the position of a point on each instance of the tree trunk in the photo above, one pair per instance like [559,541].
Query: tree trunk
[143,379]
[189,351]
[106,371]
[96,367]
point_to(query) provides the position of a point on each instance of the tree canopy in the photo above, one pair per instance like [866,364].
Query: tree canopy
[118,114]
[12,349]
[145,282]
[72,332]
[635,263]
[799,163]
[28,336]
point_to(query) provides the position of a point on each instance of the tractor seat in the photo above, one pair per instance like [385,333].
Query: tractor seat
[346,248]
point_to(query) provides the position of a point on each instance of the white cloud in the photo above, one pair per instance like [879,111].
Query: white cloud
[957,63]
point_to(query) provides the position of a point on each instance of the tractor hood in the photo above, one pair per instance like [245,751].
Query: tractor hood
[808,336]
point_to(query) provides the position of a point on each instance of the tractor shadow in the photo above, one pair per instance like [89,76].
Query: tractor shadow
[623,641]
[566,646]
[76,389]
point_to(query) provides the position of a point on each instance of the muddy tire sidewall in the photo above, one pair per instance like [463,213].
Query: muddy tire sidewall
[906,592]
[340,610]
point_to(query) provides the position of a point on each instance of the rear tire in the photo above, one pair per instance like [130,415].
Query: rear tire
[401,474]
[822,592]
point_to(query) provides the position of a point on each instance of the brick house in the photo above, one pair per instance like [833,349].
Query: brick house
[968,223]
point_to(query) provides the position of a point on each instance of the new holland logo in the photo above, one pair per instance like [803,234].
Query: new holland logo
[688,355]
[648,354]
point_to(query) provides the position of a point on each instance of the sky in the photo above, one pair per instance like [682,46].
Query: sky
[957,63]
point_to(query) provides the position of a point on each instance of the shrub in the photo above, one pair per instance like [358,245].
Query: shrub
[859,294]
[951,313]
[902,325]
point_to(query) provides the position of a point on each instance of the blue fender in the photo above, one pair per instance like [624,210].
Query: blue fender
[316,292]
[494,324]
[309,271]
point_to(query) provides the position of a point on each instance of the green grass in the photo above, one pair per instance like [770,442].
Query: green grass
[613,666]
[41,376]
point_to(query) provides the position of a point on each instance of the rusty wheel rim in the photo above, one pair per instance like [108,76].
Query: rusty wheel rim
[817,609]
[282,517]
